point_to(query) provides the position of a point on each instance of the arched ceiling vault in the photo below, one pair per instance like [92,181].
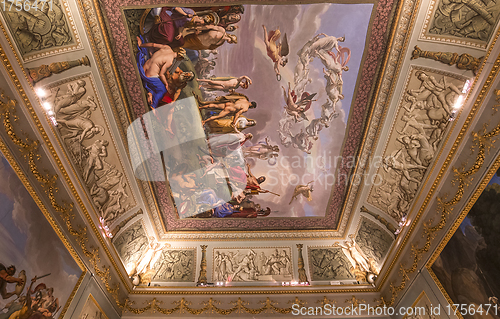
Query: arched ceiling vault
[368,164]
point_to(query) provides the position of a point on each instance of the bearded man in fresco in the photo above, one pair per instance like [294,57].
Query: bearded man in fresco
[7,277]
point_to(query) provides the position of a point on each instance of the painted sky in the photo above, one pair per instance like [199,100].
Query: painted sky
[248,57]
[29,242]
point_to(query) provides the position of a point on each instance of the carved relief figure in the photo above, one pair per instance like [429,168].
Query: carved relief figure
[143,267]
[252,264]
[177,265]
[40,30]
[130,244]
[468,19]
[79,122]
[373,240]
[329,264]
[427,106]
[361,266]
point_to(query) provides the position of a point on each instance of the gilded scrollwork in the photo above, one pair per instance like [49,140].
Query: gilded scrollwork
[211,306]
[30,150]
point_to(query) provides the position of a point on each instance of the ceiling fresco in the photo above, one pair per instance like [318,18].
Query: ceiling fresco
[251,117]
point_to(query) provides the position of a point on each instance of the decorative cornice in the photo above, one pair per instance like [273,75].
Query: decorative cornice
[27,184]
[210,306]
[479,100]
[482,142]
[31,153]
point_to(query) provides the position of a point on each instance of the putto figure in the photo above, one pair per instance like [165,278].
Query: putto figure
[276,51]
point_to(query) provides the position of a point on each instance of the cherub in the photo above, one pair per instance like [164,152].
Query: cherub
[294,108]
[305,190]
[276,51]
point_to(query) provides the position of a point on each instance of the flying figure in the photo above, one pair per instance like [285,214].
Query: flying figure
[305,190]
[294,108]
[276,51]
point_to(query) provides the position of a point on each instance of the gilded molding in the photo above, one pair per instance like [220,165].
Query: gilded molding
[5,107]
[30,150]
[211,306]
[479,190]
[218,291]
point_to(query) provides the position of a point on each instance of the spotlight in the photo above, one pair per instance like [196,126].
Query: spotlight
[41,92]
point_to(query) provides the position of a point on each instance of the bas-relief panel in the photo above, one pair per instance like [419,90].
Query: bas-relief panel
[425,308]
[373,240]
[175,265]
[327,264]
[146,260]
[44,273]
[308,95]
[130,243]
[252,264]
[75,109]
[461,22]
[48,30]
[92,310]
[467,267]
[422,119]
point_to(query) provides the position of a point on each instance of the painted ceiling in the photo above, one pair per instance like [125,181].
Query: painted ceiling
[295,151]
[149,108]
